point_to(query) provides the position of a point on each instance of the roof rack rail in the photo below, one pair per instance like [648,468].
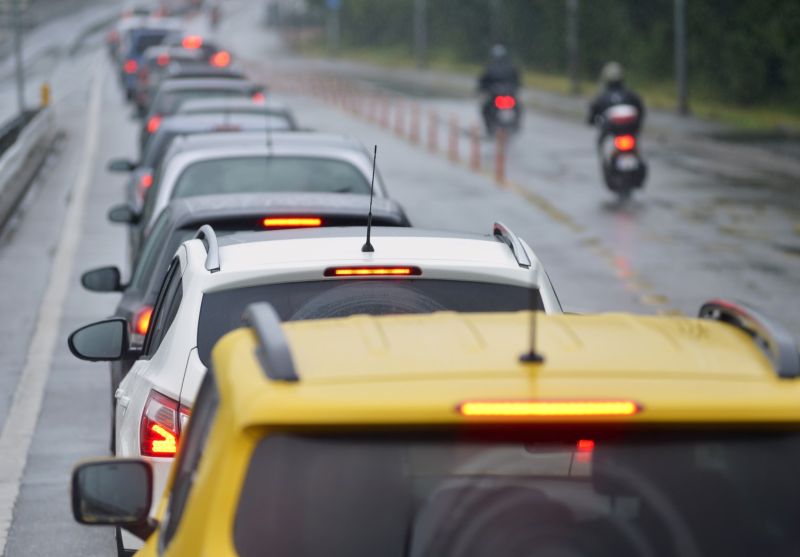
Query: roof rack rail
[776,341]
[207,234]
[508,237]
[273,351]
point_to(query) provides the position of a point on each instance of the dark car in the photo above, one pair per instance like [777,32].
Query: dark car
[175,62]
[133,44]
[173,92]
[227,214]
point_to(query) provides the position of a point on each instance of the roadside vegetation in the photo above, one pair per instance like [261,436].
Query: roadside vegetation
[743,56]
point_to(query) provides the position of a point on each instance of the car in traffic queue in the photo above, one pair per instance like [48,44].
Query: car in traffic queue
[309,273]
[284,162]
[164,62]
[173,92]
[145,173]
[134,41]
[454,435]
[227,214]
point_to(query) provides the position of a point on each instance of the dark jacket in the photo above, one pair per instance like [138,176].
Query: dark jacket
[499,75]
[613,95]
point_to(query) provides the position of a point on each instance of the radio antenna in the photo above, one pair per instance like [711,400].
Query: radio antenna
[367,247]
[532,356]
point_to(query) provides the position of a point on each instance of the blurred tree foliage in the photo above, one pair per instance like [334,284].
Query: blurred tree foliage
[743,51]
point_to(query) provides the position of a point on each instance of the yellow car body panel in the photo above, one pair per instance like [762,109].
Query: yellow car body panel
[409,370]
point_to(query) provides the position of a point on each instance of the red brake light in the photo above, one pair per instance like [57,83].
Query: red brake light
[291,222]
[505,102]
[146,181]
[153,124]
[141,321]
[372,271]
[585,446]
[549,408]
[192,42]
[221,59]
[258,97]
[130,66]
[162,60]
[625,142]
[161,425]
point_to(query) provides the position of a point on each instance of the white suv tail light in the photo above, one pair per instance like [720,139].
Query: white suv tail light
[161,425]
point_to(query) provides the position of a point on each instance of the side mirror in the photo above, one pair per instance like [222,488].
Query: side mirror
[123,214]
[120,165]
[104,341]
[116,492]
[104,279]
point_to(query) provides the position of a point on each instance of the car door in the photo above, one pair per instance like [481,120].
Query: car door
[135,387]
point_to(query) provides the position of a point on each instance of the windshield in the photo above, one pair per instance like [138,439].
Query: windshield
[144,40]
[270,174]
[221,312]
[530,492]
[168,103]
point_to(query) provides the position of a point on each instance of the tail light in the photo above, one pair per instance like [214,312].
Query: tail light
[130,66]
[141,321]
[291,222]
[584,449]
[192,42]
[145,182]
[505,102]
[372,271]
[221,59]
[549,409]
[162,59]
[154,123]
[258,97]
[625,143]
[163,420]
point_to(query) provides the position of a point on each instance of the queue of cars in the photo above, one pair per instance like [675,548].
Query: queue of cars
[297,370]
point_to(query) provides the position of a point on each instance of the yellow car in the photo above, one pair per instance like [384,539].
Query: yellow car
[480,435]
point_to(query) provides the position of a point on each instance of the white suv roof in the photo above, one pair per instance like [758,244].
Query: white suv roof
[253,258]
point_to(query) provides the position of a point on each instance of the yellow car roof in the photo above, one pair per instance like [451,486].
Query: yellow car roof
[419,369]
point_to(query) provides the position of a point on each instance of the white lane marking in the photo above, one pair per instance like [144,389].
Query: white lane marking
[20,424]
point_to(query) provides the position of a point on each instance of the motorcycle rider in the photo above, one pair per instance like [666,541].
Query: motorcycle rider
[615,93]
[500,77]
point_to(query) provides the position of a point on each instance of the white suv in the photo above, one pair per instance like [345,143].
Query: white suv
[303,274]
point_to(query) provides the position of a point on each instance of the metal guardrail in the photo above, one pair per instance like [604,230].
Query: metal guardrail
[24,145]
[11,129]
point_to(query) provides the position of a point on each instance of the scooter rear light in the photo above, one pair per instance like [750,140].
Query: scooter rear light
[160,428]
[505,102]
[130,66]
[625,143]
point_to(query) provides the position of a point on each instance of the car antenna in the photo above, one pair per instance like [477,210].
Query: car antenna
[532,356]
[367,247]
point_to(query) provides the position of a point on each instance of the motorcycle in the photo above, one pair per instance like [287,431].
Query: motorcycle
[502,111]
[624,168]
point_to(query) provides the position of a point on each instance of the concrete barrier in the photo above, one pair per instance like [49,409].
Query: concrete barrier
[21,161]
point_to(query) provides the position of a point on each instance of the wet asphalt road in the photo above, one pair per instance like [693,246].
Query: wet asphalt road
[704,227]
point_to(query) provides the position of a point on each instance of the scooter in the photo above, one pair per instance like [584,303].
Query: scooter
[502,111]
[624,168]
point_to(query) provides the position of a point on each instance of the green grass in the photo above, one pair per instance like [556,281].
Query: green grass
[765,119]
